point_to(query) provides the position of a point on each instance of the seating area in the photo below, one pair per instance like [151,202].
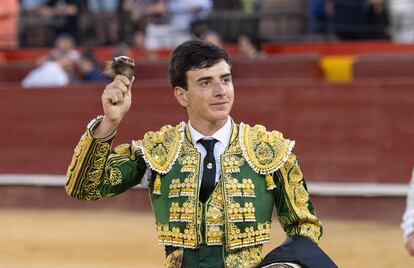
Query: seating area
[282,61]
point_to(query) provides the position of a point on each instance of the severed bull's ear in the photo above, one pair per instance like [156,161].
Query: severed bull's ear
[120,65]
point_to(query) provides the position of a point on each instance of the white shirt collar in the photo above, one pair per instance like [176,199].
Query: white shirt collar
[222,135]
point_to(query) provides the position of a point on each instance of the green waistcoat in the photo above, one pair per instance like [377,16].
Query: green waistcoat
[258,172]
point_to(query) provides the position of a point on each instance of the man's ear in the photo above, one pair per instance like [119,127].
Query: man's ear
[181,95]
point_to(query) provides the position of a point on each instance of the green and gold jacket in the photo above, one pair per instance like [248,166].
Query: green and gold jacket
[258,172]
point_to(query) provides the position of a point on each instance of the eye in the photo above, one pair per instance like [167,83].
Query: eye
[205,83]
[227,80]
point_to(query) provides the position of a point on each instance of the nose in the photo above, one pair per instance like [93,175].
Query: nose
[219,89]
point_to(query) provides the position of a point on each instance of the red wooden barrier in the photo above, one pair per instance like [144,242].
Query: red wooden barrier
[345,132]
[379,65]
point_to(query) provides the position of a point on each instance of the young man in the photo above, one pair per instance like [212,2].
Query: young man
[213,183]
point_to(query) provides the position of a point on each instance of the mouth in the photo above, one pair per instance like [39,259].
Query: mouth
[219,103]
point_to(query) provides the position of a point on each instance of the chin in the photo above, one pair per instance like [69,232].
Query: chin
[221,116]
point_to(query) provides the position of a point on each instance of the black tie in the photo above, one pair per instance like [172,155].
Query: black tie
[209,173]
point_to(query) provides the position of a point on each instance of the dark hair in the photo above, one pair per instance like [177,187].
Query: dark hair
[193,55]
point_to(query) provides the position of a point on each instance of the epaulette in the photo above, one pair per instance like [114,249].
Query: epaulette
[265,151]
[160,149]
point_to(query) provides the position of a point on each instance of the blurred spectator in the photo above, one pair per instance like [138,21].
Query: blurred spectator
[250,49]
[144,18]
[402,20]
[32,4]
[212,37]
[227,5]
[105,22]
[320,12]
[65,14]
[378,19]
[9,14]
[175,28]
[359,19]
[282,20]
[408,219]
[122,49]
[34,27]
[64,46]
[165,23]
[88,68]
[134,15]
[138,40]
[249,6]
[189,17]
[51,73]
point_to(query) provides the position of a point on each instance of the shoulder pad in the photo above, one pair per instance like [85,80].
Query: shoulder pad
[265,151]
[160,149]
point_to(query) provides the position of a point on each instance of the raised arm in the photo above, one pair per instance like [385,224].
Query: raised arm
[95,170]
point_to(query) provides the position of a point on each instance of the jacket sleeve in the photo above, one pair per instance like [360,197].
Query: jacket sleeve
[96,171]
[294,208]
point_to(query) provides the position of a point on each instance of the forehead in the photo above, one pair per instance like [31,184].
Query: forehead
[218,69]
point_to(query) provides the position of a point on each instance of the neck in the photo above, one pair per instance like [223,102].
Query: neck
[208,128]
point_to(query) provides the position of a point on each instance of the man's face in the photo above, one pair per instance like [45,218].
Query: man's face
[209,95]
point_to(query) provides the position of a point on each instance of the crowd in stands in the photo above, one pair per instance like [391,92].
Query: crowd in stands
[153,25]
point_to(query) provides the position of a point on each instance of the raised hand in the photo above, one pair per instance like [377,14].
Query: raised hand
[116,101]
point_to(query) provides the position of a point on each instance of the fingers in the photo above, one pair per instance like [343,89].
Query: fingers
[122,82]
[128,93]
[115,91]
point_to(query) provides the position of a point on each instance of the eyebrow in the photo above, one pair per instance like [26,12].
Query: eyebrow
[210,77]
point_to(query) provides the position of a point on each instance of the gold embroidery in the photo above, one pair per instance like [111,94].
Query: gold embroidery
[160,149]
[123,149]
[94,176]
[234,212]
[233,187]
[244,258]
[265,151]
[251,236]
[76,163]
[214,235]
[216,198]
[175,259]
[102,149]
[115,176]
[248,212]
[187,211]
[188,162]
[297,199]
[175,237]
[188,187]
[263,232]
[214,216]
[157,184]
[232,163]
[175,211]
[175,187]
[270,182]
[248,188]
[99,162]
[236,189]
